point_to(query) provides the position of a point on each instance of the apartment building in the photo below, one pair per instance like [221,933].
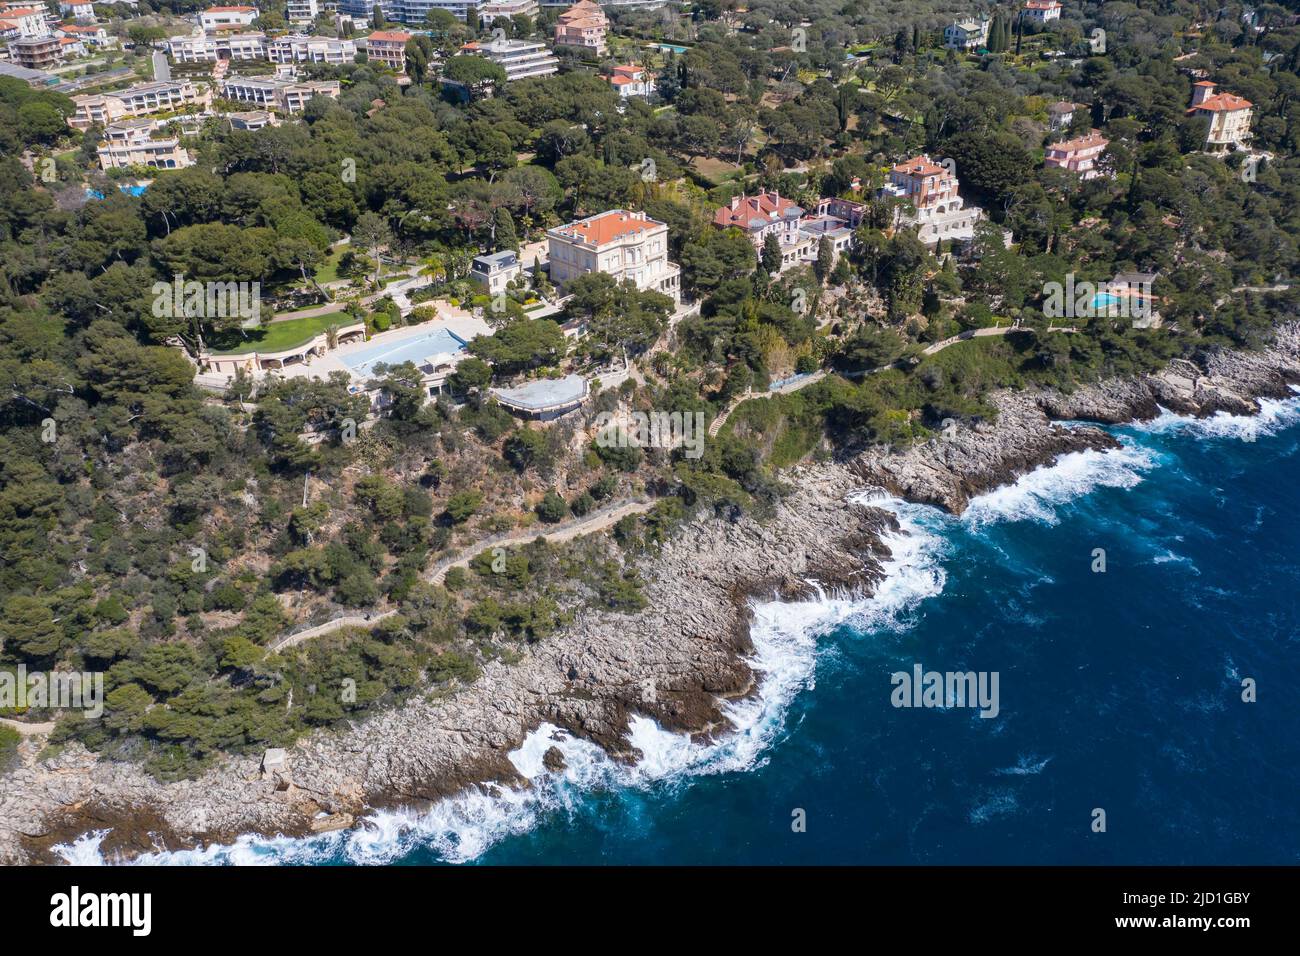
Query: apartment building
[936,209]
[77,9]
[388,48]
[967,34]
[130,143]
[30,22]
[632,81]
[311,49]
[505,9]
[415,12]
[1042,11]
[205,48]
[287,95]
[1079,155]
[583,25]
[626,245]
[363,10]
[303,11]
[521,59]
[225,18]
[1228,115]
[36,53]
[139,100]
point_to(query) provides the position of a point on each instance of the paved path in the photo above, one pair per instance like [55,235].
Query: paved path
[563,531]
[28,730]
[802,382]
[789,386]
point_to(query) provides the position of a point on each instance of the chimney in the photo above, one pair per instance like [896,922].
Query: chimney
[736,201]
[1201,91]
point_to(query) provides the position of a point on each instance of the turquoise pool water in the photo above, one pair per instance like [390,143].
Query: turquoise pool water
[426,346]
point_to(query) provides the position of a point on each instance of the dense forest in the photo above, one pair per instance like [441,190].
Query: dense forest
[167,535]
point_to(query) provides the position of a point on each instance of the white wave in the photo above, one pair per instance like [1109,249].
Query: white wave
[83,851]
[1275,414]
[1027,766]
[459,829]
[1172,557]
[1037,495]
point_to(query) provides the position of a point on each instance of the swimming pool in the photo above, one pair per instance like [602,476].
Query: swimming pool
[136,190]
[1104,300]
[431,346]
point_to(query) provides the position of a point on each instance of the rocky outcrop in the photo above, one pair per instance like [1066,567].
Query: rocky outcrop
[952,468]
[1219,381]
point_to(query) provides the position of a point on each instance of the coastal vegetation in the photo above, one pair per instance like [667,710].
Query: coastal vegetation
[171,537]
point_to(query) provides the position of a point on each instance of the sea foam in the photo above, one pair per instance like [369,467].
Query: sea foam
[1036,496]
[1275,414]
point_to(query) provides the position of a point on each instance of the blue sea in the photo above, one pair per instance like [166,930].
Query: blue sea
[1119,691]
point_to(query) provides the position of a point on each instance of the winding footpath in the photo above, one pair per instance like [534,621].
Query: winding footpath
[28,730]
[793,385]
[598,520]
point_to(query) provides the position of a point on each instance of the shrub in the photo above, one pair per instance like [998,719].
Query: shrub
[551,508]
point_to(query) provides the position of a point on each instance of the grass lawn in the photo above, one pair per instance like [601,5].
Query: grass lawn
[716,171]
[328,271]
[276,336]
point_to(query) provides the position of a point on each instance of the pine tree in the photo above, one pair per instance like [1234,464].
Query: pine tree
[771,255]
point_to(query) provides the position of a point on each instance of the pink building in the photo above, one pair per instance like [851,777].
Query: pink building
[584,25]
[938,212]
[1078,155]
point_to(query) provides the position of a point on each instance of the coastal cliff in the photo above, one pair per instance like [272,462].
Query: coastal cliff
[675,661]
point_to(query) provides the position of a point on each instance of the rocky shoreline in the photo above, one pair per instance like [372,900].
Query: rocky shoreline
[676,661]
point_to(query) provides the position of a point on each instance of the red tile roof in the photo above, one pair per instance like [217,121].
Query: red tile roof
[1092,139]
[608,226]
[919,166]
[767,207]
[1221,102]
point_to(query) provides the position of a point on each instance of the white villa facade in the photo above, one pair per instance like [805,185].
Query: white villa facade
[626,245]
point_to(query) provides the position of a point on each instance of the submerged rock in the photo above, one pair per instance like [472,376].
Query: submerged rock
[553,759]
